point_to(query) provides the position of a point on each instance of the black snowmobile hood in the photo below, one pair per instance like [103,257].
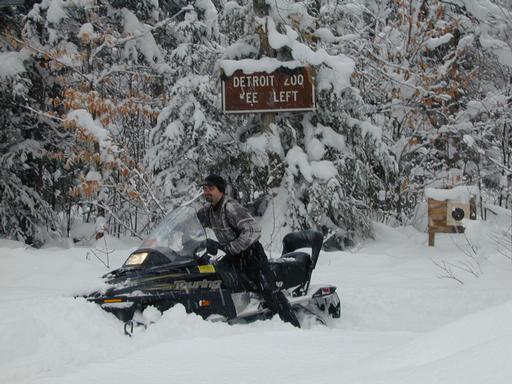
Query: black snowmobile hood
[157,279]
[155,262]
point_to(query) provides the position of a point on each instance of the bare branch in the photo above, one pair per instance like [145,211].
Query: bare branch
[114,216]
[160,24]
[41,113]
[447,271]
[26,44]
[149,190]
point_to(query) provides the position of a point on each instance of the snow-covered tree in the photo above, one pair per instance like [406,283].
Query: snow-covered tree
[30,178]
[107,70]
[112,109]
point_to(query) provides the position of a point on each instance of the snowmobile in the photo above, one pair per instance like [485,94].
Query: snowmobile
[173,266]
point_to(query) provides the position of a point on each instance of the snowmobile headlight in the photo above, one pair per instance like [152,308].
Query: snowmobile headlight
[137,258]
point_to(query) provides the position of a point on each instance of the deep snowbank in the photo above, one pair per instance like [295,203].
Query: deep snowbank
[400,323]
[473,349]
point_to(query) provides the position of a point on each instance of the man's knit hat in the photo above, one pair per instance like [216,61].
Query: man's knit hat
[217,181]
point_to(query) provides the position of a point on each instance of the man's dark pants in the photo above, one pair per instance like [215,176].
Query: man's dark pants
[254,263]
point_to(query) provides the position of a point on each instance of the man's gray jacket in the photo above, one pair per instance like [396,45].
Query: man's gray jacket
[235,228]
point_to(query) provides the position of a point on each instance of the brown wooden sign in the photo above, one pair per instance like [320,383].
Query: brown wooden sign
[283,90]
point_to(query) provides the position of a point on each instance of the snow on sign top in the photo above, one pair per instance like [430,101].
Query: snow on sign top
[250,66]
[461,193]
[266,85]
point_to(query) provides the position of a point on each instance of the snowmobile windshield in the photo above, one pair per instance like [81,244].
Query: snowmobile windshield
[179,235]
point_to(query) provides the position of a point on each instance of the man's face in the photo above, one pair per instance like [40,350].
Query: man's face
[211,193]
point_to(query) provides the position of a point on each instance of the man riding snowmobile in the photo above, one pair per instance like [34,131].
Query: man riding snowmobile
[237,233]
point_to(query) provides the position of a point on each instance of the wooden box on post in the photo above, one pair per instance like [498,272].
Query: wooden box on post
[445,216]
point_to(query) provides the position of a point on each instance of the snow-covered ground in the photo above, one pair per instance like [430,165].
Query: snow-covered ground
[401,323]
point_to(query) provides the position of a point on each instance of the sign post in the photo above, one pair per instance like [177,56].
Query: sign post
[283,90]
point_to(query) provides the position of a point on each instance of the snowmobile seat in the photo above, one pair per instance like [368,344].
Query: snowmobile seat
[301,258]
[294,268]
[291,268]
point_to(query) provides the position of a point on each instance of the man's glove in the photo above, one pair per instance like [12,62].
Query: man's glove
[212,246]
[205,259]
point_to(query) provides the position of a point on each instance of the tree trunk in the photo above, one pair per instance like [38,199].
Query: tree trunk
[261,10]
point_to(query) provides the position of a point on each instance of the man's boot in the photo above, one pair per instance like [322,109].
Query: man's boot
[285,310]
